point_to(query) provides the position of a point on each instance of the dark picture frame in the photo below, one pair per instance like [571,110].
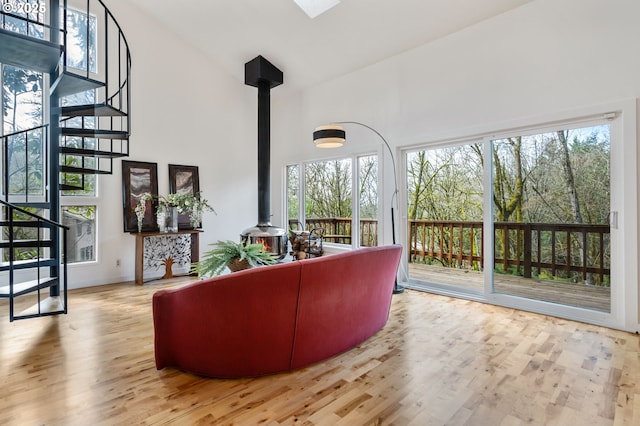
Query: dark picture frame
[183,180]
[139,177]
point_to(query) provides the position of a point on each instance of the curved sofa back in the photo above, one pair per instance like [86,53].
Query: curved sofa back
[344,299]
[273,319]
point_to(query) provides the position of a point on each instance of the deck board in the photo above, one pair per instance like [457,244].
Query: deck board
[576,295]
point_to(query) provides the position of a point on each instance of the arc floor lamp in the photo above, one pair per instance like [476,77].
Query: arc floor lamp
[334,136]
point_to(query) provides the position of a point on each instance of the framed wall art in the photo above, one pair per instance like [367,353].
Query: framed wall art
[139,178]
[183,180]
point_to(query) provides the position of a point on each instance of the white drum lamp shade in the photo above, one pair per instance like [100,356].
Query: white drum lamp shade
[329,136]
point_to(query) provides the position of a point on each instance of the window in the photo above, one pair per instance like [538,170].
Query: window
[79,205]
[27,19]
[331,195]
[81,45]
[23,107]
[368,200]
[86,254]
[22,112]
[81,241]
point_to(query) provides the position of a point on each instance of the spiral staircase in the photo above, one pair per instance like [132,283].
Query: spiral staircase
[89,126]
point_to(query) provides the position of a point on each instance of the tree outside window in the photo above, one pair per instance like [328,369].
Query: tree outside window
[330,193]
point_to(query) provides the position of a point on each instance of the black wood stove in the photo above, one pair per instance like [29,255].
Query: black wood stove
[262,74]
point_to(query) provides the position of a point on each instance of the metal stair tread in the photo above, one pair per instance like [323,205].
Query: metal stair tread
[67,187]
[26,243]
[94,133]
[34,204]
[91,110]
[69,83]
[22,51]
[26,287]
[84,152]
[25,224]
[29,263]
[83,171]
[50,306]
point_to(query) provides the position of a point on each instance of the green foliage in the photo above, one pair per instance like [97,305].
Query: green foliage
[217,259]
[293,199]
[328,189]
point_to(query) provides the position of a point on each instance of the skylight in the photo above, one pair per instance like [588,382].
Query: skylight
[314,8]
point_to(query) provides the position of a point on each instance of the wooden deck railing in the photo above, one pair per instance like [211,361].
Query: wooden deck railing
[338,229]
[568,251]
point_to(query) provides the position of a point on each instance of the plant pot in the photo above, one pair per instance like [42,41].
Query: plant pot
[238,265]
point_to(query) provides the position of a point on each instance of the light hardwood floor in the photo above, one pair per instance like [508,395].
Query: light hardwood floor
[438,361]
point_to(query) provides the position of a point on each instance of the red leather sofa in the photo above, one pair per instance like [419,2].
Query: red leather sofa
[277,318]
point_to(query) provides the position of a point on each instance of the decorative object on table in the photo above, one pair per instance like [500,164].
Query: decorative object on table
[139,178]
[170,206]
[305,244]
[232,255]
[179,245]
[167,250]
[167,218]
[141,208]
[185,180]
[334,136]
[192,205]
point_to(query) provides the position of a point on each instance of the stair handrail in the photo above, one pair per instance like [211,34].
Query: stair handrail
[33,215]
[28,21]
[5,158]
[120,39]
[61,260]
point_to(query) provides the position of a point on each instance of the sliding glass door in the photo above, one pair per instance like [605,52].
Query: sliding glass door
[445,210]
[551,204]
[532,231]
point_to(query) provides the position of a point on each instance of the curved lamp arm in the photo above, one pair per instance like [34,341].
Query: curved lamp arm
[393,160]
[337,137]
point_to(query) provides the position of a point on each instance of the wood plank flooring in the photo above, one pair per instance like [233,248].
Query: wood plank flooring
[438,361]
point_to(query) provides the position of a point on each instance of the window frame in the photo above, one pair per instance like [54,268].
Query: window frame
[84,201]
[355,202]
[622,117]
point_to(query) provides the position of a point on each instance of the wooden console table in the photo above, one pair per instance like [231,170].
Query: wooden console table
[140,237]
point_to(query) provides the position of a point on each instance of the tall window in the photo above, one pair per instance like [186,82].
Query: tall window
[368,200]
[81,40]
[79,206]
[336,198]
[23,106]
[22,111]
[81,238]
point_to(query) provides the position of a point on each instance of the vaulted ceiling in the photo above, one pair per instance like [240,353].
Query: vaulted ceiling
[350,36]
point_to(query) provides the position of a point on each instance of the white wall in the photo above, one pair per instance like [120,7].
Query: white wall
[542,57]
[542,60]
[545,57]
[185,110]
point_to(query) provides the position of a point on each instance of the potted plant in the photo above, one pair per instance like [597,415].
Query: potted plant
[193,205]
[235,256]
[170,205]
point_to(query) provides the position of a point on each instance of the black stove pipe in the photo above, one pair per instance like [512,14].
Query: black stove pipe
[264,75]
[264,154]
